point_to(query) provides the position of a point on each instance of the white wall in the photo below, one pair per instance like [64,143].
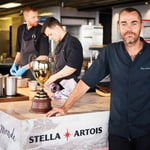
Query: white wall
[145,11]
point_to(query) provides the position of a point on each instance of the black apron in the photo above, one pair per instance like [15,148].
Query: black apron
[27,50]
[60,61]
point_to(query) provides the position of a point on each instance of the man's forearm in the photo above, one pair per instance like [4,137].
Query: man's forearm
[17,58]
[80,89]
[66,71]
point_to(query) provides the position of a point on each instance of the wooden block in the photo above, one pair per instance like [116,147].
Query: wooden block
[17,97]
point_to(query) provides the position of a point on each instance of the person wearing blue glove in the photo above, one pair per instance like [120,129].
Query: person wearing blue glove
[30,41]
[13,69]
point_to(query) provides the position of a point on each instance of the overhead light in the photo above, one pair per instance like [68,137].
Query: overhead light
[10,5]
[46,14]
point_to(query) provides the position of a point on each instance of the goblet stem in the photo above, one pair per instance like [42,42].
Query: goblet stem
[41,87]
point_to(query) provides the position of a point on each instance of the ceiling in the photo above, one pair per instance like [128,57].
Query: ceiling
[81,5]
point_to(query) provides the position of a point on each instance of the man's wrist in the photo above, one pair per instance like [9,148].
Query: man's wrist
[26,66]
[65,107]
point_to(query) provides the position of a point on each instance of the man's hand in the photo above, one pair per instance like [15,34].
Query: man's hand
[21,71]
[13,70]
[56,112]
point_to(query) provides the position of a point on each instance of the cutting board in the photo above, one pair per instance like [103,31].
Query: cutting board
[17,97]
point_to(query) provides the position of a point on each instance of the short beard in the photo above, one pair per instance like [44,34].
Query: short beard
[35,24]
[130,42]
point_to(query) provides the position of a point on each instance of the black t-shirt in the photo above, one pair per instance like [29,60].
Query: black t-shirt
[41,41]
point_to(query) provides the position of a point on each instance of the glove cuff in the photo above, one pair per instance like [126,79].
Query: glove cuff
[14,65]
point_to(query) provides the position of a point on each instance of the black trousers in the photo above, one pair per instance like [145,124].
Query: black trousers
[121,143]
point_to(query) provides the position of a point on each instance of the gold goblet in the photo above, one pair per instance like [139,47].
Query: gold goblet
[41,70]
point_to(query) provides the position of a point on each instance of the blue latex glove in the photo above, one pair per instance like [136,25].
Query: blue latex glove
[21,71]
[13,70]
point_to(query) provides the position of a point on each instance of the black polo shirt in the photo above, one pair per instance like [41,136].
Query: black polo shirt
[130,88]
[41,41]
[69,52]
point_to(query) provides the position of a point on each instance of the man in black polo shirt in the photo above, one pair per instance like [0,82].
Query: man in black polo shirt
[68,57]
[30,42]
[128,63]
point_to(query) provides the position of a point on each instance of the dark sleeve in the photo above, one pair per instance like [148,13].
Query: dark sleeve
[19,38]
[43,45]
[74,54]
[98,70]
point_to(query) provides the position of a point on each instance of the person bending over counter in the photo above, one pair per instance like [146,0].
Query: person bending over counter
[68,58]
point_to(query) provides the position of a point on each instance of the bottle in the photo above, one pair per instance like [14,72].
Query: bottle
[54,87]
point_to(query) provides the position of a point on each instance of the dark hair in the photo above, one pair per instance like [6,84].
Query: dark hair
[50,22]
[131,10]
[29,8]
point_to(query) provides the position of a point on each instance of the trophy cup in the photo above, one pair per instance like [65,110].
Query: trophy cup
[41,70]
